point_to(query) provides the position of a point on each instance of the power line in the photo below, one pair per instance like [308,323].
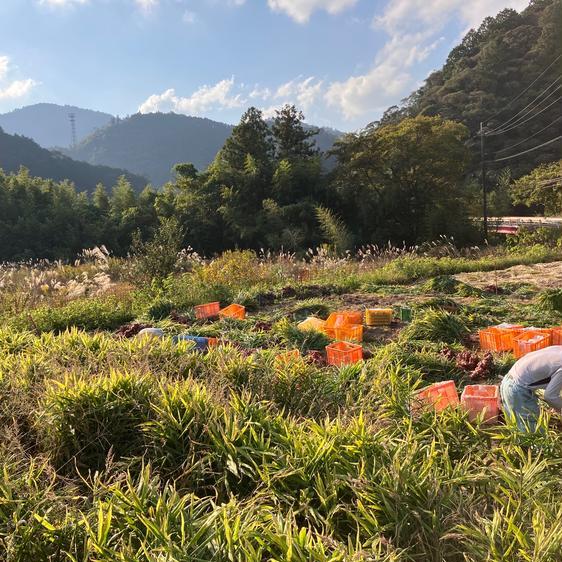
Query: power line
[526,89]
[515,125]
[530,137]
[527,151]
[511,119]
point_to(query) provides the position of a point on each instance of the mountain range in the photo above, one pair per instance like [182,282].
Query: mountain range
[49,126]
[17,151]
[147,145]
[504,74]
[150,144]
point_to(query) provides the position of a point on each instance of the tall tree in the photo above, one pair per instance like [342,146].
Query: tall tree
[292,140]
[404,182]
[250,137]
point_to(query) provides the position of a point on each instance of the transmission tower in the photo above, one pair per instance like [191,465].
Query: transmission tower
[72,117]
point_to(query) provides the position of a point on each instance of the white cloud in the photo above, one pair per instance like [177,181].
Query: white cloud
[61,3]
[147,5]
[270,112]
[303,93]
[17,89]
[189,17]
[205,99]
[434,14]
[4,66]
[387,82]
[414,28]
[301,10]
[260,93]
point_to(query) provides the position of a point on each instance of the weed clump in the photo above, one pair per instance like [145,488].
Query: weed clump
[436,325]
[447,285]
[85,314]
[550,300]
[83,421]
[303,340]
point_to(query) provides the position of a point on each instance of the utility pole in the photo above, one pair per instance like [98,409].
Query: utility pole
[484,192]
[72,117]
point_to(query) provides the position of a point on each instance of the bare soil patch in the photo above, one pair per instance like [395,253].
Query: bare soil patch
[542,275]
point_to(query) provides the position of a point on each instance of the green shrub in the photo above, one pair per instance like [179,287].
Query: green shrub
[157,258]
[441,284]
[291,336]
[82,421]
[450,286]
[310,307]
[435,325]
[159,308]
[423,356]
[87,314]
[550,300]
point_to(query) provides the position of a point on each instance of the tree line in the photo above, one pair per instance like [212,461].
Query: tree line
[404,182]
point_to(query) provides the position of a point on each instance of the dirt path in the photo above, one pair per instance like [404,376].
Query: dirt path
[542,275]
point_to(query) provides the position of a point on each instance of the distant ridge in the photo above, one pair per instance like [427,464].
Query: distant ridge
[150,144]
[17,151]
[48,123]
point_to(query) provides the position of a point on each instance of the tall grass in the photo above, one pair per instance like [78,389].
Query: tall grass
[138,450]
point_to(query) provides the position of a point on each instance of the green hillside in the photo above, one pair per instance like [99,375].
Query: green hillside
[152,144]
[48,124]
[17,151]
[511,54]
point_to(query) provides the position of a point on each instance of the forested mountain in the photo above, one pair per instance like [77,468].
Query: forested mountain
[507,73]
[17,151]
[151,144]
[48,124]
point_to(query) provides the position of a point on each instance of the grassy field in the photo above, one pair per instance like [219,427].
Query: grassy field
[117,448]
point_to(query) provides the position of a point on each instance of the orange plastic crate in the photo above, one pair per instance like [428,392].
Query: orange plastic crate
[287,357]
[481,399]
[499,338]
[233,311]
[350,333]
[493,339]
[440,396]
[343,353]
[557,336]
[341,320]
[335,320]
[212,342]
[531,340]
[208,310]
[354,317]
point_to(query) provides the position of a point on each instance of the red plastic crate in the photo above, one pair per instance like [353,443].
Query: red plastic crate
[531,340]
[208,310]
[440,396]
[233,311]
[343,353]
[350,333]
[481,399]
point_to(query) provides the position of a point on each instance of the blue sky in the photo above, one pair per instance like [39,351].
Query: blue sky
[342,61]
